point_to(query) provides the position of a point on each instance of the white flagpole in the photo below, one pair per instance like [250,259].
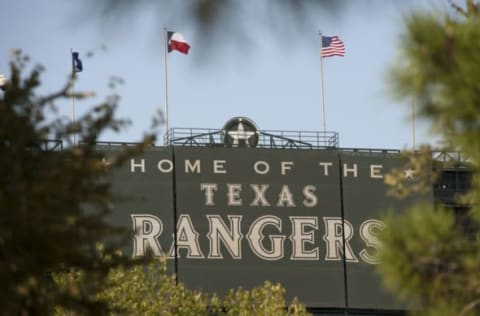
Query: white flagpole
[323,89]
[413,123]
[165,35]
[73,99]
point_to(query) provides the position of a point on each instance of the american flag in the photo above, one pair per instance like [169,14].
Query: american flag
[332,46]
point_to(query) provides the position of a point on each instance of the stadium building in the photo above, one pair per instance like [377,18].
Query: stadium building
[236,206]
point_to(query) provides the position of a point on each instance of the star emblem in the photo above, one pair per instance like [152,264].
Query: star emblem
[105,162]
[409,173]
[3,80]
[240,134]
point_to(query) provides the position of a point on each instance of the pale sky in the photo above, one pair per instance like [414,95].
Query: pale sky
[273,79]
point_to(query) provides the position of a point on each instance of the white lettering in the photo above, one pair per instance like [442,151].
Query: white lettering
[311,199]
[299,238]
[259,190]
[187,238]
[368,231]
[264,236]
[334,240]
[209,189]
[346,170]
[146,229]
[230,237]
[218,166]
[376,171]
[192,168]
[233,194]
[264,170]
[255,237]
[325,166]
[134,165]
[285,197]
[286,165]
[168,163]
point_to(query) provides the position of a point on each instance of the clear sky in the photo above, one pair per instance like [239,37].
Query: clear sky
[273,78]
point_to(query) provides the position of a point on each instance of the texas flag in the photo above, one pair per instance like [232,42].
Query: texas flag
[176,41]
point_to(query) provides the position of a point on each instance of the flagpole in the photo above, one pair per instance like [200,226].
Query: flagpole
[323,89]
[73,99]
[413,123]
[165,44]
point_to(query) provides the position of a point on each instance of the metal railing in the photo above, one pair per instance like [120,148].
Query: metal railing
[449,156]
[115,143]
[48,145]
[193,137]
[203,137]
[369,151]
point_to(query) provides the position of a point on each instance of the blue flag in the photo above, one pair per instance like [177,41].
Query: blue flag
[77,65]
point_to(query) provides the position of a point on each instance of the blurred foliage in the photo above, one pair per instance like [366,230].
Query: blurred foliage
[149,290]
[431,254]
[46,189]
[429,262]
[237,23]
[206,15]
[438,66]
[416,176]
